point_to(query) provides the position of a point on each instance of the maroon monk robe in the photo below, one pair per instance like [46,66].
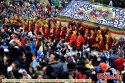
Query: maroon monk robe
[57,34]
[101,45]
[32,25]
[46,32]
[81,31]
[109,42]
[18,21]
[36,29]
[63,34]
[26,27]
[68,36]
[86,36]
[92,40]
[43,28]
[52,31]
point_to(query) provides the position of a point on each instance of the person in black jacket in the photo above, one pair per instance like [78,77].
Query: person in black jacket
[3,68]
[55,68]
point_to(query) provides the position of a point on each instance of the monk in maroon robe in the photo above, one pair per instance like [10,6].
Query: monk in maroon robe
[115,41]
[52,33]
[92,39]
[81,30]
[37,29]
[26,28]
[109,42]
[31,26]
[101,44]
[57,33]
[68,36]
[86,36]
[19,20]
[46,32]
[63,33]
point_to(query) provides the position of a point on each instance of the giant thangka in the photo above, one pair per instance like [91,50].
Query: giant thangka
[96,13]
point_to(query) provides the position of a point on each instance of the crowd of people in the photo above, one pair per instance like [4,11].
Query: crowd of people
[42,48]
[31,8]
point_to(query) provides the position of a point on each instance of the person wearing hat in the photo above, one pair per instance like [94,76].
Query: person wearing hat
[19,20]
[46,31]
[52,31]
[36,29]
[68,35]
[41,29]
[6,20]
[73,39]
[92,39]
[81,31]
[63,33]
[26,26]
[31,26]
[80,41]
[87,35]
[97,40]
[101,44]
[57,33]
[115,41]
[109,42]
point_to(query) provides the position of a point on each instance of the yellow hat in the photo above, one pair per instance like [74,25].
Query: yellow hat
[92,31]
[46,21]
[46,25]
[101,37]
[11,21]
[39,21]
[36,24]
[99,31]
[57,26]
[14,20]
[52,25]
[107,36]
[27,18]
[115,37]
[74,32]
[30,22]
[6,20]
[63,25]
[86,30]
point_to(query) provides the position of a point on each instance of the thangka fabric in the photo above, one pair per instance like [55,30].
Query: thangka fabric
[95,12]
